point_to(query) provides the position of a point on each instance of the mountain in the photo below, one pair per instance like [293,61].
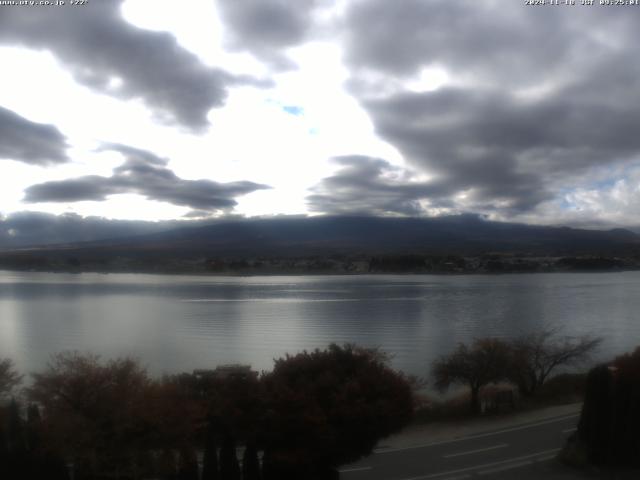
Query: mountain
[322,236]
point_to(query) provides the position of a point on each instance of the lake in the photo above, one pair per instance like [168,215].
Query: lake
[177,323]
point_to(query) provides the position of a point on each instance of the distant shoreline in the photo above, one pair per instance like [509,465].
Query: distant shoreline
[490,264]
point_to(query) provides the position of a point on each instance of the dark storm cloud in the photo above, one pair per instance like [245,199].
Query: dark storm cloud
[544,96]
[366,185]
[98,46]
[30,142]
[500,149]
[145,174]
[495,40]
[265,27]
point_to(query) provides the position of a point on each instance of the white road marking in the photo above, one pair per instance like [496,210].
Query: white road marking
[569,430]
[359,469]
[452,455]
[544,458]
[480,435]
[504,468]
[517,461]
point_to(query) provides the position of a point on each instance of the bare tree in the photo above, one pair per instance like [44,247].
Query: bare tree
[484,362]
[9,378]
[535,356]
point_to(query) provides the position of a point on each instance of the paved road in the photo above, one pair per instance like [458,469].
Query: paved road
[524,451]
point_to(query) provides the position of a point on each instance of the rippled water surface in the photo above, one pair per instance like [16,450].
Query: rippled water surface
[175,323]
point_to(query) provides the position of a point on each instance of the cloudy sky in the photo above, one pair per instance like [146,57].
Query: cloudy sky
[163,110]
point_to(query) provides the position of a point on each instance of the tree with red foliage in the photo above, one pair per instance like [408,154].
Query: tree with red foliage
[229,465]
[187,463]
[210,469]
[329,407]
[250,462]
[610,419]
[94,411]
[172,413]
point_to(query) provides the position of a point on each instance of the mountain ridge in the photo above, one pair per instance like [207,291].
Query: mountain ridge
[348,235]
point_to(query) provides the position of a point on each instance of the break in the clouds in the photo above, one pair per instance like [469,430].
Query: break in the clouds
[144,173]
[112,56]
[30,142]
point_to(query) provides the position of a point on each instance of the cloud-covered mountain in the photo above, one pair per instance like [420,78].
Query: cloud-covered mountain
[36,228]
[309,236]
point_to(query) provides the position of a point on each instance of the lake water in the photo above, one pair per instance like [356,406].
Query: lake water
[178,323]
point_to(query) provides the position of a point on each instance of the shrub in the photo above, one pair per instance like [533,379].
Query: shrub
[330,407]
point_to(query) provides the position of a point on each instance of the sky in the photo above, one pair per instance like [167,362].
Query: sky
[121,111]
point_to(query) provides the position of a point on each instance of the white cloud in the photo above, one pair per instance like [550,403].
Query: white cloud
[196,26]
[613,200]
